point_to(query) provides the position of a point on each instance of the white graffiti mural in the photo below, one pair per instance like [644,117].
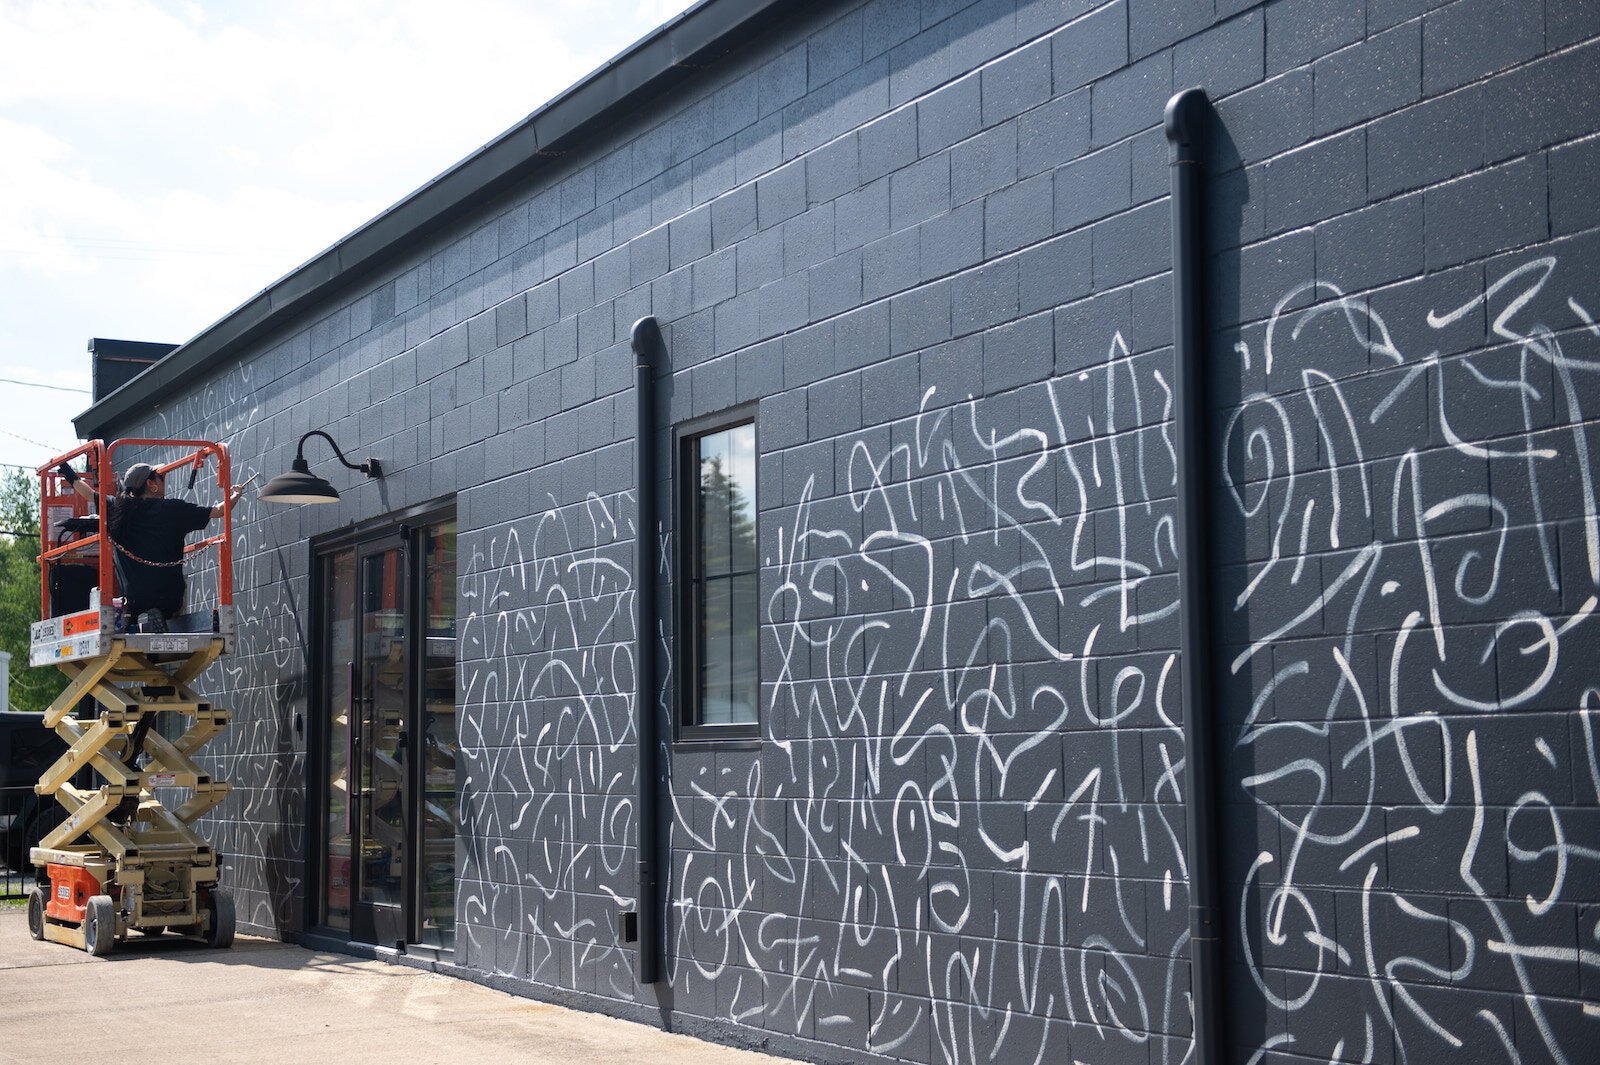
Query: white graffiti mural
[965,842]
[547,783]
[1425,598]
[962,836]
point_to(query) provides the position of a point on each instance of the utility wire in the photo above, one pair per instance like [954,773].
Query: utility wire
[34,244]
[35,384]
[26,440]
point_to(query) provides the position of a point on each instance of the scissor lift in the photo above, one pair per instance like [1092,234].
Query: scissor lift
[122,860]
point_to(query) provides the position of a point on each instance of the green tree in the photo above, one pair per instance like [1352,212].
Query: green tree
[31,689]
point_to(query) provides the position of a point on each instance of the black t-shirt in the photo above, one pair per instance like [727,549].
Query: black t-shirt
[154,529]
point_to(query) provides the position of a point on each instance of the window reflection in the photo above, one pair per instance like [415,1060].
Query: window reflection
[340,652]
[726,585]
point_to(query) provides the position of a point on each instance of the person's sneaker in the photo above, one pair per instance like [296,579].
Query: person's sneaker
[152,621]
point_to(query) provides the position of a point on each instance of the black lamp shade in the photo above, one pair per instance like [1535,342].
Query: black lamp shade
[299,485]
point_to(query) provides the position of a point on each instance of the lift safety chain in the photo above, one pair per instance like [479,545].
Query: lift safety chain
[146,561]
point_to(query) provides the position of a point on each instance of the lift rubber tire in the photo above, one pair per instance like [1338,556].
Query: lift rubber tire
[100,925]
[36,913]
[219,908]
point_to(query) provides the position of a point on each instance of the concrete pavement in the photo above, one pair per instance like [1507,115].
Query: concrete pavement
[264,1002]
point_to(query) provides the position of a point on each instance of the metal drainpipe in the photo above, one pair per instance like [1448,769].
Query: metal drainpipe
[1187,113]
[646,341]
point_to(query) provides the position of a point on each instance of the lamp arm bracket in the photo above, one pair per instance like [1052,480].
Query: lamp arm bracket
[370,467]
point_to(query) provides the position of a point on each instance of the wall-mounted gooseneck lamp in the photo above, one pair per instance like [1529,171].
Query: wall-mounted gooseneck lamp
[300,485]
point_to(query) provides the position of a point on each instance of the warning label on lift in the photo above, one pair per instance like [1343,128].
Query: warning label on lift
[70,625]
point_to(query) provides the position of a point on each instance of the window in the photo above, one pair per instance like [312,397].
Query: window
[721,688]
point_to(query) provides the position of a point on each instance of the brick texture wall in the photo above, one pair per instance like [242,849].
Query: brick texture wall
[931,241]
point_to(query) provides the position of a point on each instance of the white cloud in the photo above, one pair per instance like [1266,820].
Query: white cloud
[160,162]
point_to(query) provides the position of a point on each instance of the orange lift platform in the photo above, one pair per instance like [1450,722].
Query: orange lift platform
[123,860]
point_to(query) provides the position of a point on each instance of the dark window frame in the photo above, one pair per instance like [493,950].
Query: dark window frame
[688,606]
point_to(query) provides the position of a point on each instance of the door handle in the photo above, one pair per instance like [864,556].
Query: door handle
[356,725]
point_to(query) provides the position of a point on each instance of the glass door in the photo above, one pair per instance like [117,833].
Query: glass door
[389,738]
[436,887]
[339,670]
[380,741]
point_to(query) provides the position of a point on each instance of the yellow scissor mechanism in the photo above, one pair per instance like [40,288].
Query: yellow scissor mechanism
[155,872]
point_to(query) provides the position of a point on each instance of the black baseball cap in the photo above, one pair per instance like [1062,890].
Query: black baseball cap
[134,480]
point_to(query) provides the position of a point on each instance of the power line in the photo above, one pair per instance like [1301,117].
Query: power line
[30,245]
[25,440]
[143,251]
[102,257]
[36,384]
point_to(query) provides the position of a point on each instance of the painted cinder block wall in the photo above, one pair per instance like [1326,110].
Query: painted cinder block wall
[931,241]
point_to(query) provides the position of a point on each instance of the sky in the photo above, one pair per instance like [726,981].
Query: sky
[162,162]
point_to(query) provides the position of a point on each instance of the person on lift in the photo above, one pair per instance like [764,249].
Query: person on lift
[148,531]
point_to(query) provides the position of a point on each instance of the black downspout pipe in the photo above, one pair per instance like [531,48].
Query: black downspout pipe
[1187,114]
[646,341]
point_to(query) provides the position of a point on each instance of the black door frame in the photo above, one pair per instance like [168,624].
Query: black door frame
[407,525]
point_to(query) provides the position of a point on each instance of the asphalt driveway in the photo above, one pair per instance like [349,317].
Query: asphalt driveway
[263,1002]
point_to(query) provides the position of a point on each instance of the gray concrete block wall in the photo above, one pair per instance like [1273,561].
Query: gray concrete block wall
[930,240]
